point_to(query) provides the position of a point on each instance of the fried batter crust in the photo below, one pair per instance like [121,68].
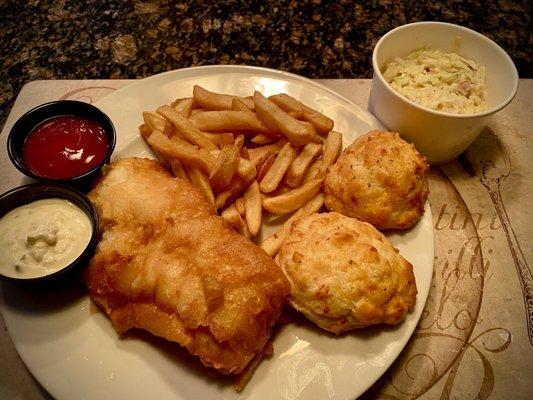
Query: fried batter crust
[168,264]
[380,179]
[353,276]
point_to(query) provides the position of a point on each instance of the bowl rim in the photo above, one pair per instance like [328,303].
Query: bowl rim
[490,42]
[112,135]
[52,190]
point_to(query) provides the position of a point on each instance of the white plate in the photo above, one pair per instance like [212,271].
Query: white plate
[76,354]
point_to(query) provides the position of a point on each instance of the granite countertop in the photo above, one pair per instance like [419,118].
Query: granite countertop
[133,39]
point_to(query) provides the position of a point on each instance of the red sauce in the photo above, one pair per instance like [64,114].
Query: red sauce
[64,147]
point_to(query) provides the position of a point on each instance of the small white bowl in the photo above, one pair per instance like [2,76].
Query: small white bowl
[438,135]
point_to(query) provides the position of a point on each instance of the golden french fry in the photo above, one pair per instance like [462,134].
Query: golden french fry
[294,199]
[178,169]
[184,107]
[177,101]
[299,133]
[181,141]
[244,153]
[331,152]
[239,203]
[272,243]
[156,122]
[260,154]
[236,187]
[276,172]
[216,121]
[265,166]
[145,130]
[239,105]
[199,158]
[301,163]
[220,139]
[265,139]
[315,170]
[253,207]
[186,128]
[216,101]
[199,180]
[287,103]
[332,148]
[225,168]
[239,142]
[245,169]
[197,111]
[231,214]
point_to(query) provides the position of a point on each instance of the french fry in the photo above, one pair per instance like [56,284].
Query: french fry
[332,148]
[216,121]
[178,169]
[236,187]
[299,133]
[239,203]
[199,179]
[260,154]
[181,141]
[272,243]
[293,199]
[156,122]
[301,163]
[234,219]
[287,103]
[186,128]
[145,130]
[239,105]
[184,107]
[265,166]
[315,170]
[177,101]
[220,139]
[276,172]
[331,152]
[216,101]
[199,158]
[239,142]
[245,169]
[253,207]
[262,139]
[225,168]
[197,111]
[244,153]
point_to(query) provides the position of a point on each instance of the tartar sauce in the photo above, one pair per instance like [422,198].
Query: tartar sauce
[41,237]
[440,81]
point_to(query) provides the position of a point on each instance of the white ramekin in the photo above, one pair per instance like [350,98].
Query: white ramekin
[438,135]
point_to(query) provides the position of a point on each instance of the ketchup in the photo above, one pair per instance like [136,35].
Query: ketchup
[64,147]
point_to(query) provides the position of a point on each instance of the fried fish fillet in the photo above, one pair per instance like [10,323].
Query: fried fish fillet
[168,264]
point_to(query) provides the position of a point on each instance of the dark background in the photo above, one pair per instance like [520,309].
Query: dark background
[134,39]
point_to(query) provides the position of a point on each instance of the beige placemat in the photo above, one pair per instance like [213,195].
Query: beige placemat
[475,337]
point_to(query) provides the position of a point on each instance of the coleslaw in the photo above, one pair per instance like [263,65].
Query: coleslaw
[439,81]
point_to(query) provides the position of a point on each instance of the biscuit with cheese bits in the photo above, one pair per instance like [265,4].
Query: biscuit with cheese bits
[345,274]
[380,179]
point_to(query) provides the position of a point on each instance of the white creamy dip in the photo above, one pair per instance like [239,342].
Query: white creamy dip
[42,237]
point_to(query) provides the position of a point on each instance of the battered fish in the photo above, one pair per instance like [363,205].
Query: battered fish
[168,264]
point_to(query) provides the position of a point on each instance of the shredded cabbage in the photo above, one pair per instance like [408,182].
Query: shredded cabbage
[440,81]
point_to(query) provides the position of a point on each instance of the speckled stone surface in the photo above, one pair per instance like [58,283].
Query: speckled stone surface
[318,39]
